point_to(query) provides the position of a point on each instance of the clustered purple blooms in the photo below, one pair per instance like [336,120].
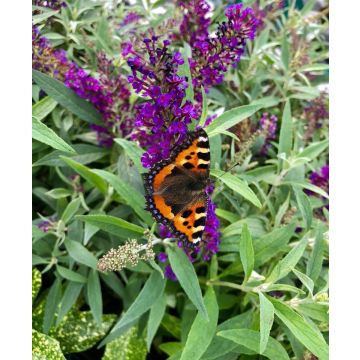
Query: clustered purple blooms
[268,126]
[212,56]
[194,27]
[321,178]
[109,95]
[161,122]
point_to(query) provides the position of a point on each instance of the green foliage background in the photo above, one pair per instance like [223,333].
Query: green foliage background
[265,292]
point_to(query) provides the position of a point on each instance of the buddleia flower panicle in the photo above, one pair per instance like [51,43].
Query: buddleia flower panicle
[126,255]
[50,4]
[214,54]
[109,94]
[132,17]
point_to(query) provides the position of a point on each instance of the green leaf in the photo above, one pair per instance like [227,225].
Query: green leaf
[45,135]
[52,302]
[126,347]
[171,348]
[70,210]
[234,183]
[172,325]
[85,155]
[307,282]
[246,252]
[59,193]
[269,245]
[80,254]
[314,265]
[266,321]
[67,98]
[314,150]
[131,196]
[285,55]
[43,108]
[94,296]
[202,331]
[113,225]
[78,331]
[314,67]
[287,264]
[307,186]
[45,347]
[231,117]
[301,329]
[286,131]
[36,282]
[70,275]
[133,151]
[251,340]
[147,297]
[304,206]
[185,273]
[204,111]
[316,311]
[157,312]
[69,298]
[86,173]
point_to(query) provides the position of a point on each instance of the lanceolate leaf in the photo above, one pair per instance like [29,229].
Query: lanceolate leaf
[301,329]
[231,117]
[157,312]
[80,253]
[131,196]
[42,133]
[113,225]
[133,151]
[286,132]
[52,302]
[94,295]
[149,294]
[202,331]
[43,107]
[246,252]
[251,340]
[266,321]
[239,186]
[67,98]
[288,262]
[187,277]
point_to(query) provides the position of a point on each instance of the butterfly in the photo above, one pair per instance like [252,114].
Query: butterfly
[176,188]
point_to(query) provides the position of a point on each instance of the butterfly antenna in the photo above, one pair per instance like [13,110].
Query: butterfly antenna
[236,164]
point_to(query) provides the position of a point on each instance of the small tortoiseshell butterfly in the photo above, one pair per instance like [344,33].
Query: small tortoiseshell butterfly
[175,188]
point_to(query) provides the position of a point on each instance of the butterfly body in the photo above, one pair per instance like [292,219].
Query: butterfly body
[176,188]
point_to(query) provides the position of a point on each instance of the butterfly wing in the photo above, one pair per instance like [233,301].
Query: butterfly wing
[181,210]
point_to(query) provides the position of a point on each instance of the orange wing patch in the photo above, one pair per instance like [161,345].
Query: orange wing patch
[191,222]
[161,175]
[195,158]
[164,209]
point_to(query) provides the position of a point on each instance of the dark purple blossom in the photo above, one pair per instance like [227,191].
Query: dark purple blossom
[267,12]
[268,127]
[213,55]
[321,178]
[169,274]
[162,257]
